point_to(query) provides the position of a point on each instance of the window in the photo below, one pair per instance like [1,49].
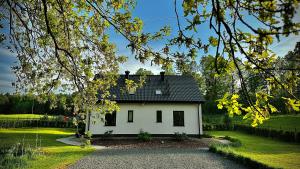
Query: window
[158,116]
[178,118]
[110,119]
[130,116]
[158,91]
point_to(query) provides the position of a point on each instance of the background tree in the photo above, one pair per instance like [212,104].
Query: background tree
[62,45]
[142,71]
[243,33]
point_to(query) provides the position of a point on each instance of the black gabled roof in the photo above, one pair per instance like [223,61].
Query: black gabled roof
[174,88]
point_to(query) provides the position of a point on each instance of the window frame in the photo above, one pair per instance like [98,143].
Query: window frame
[114,123]
[178,125]
[157,120]
[130,120]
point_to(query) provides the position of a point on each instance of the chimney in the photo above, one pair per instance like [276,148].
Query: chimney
[127,74]
[162,76]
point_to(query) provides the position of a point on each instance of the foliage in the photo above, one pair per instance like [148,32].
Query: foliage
[86,139]
[35,123]
[56,154]
[108,134]
[144,136]
[213,118]
[65,47]
[142,71]
[275,154]
[215,85]
[131,86]
[289,122]
[242,49]
[17,155]
[289,136]
[25,104]
[180,136]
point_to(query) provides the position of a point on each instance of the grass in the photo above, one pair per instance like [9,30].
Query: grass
[282,122]
[278,122]
[21,116]
[271,152]
[56,154]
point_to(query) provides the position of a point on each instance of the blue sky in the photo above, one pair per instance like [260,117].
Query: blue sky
[155,14]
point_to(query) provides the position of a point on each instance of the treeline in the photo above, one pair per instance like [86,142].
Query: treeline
[25,104]
[214,85]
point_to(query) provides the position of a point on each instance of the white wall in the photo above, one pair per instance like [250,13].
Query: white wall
[144,117]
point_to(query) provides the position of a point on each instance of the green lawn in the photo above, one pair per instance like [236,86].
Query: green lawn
[56,154]
[278,122]
[271,152]
[283,122]
[21,116]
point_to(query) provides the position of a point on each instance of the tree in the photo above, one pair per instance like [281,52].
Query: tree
[62,45]
[142,71]
[243,32]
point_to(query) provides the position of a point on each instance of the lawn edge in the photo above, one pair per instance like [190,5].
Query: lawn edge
[246,161]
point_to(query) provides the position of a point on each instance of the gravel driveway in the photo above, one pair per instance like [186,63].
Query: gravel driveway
[164,158]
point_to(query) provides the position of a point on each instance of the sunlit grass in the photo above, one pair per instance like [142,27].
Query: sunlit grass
[22,116]
[271,152]
[55,154]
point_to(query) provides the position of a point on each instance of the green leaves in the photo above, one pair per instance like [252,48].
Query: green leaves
[257,112]
[230,102]
[64,47]
[292,103]
[213,41]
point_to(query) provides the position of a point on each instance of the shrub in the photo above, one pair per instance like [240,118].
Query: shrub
[180,136]
[59,118]
[275,134]
[16,156]
[234,142]
[44,118]
[108,134]
[205,136]
[144,136]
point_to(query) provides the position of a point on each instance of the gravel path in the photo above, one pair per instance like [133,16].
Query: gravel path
[163,158]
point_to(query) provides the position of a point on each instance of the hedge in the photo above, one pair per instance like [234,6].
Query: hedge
[34,123]
[288,136]
[265,132]
[240,159]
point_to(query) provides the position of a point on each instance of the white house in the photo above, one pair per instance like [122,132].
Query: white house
[164,105]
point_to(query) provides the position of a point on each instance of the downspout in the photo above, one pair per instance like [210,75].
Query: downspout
[89,121]
[199,120]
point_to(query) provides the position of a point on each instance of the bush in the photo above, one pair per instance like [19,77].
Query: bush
[34,123]
[108,134]
[234,142]
[275,134]
[44,118]
[144,136]
[180,136]
[16,156]
[205,136]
